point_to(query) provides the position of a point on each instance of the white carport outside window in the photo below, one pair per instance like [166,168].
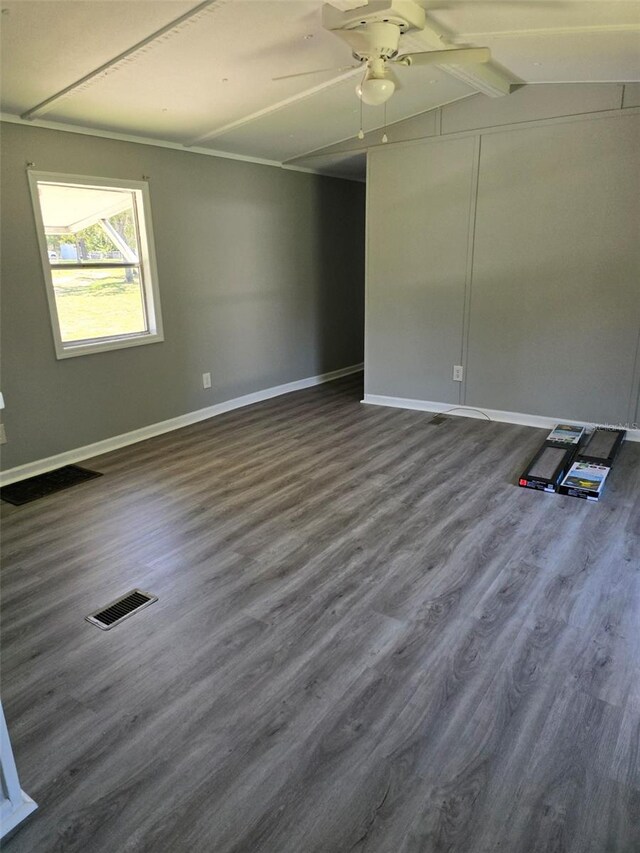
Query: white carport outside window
[96,242]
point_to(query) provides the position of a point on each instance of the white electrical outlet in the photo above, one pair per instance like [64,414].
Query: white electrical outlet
[458,373]
[206,380]
[3,435]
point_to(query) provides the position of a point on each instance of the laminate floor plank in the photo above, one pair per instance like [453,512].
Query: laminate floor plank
[368,639]
[625,760]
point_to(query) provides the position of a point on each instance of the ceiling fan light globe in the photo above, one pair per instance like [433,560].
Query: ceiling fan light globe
[375,90]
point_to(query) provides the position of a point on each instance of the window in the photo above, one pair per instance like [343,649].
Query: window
[99,265]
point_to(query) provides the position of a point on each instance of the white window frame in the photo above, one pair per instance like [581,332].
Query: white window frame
[148,266]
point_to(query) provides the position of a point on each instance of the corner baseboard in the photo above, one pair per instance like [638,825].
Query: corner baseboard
[14,814]
[633,434]
[40,466]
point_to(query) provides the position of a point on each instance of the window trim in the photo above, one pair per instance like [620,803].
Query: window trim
[148,265]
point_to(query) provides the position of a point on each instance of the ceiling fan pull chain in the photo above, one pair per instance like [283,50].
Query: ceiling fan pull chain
[385,138]
[361,131]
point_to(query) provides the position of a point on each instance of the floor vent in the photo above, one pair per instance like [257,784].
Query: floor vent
[25,491]
[121,609]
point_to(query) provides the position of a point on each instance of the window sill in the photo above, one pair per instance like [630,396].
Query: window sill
[71,350]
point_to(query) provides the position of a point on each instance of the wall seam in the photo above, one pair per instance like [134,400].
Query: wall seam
[367,204]
[634,393]
[471,239]
[514,127]
[438,112]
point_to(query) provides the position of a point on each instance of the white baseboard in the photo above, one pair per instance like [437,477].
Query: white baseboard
[491,414]
[40,466]
[14,815]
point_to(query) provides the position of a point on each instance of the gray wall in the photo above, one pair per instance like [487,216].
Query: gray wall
[418,217]
[261,283]
[531,279]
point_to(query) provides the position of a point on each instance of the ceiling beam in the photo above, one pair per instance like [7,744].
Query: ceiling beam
[487,79]
[46,105]
[300,96]
[597,29]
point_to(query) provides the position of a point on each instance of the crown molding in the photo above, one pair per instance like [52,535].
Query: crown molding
[140,140]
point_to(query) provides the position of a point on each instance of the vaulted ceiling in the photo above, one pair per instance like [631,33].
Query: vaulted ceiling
[200,73]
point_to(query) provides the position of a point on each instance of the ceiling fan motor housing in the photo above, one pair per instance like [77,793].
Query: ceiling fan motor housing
[373,31]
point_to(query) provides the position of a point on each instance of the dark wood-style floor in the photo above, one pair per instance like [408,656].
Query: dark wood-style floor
[368,639]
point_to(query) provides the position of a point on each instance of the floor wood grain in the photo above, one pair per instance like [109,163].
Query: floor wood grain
[367,640]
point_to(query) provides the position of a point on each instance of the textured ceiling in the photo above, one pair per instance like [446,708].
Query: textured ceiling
[207,81]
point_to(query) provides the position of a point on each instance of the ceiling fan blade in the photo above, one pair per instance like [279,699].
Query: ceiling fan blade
[455,56]
[315,71]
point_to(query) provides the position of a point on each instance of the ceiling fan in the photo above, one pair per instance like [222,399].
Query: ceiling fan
[377,48]
[373,30]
